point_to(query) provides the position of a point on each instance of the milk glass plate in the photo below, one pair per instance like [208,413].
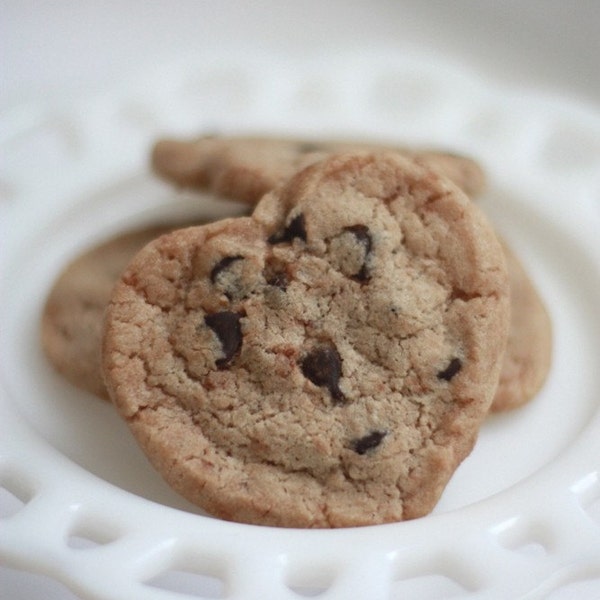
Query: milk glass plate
[521,516]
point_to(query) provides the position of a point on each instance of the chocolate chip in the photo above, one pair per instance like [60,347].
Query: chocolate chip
[350,250]
[362,234]
[295,229]
[363,237]
[276,274]
[227,279]
[368,442]
[222,266]
[279,280]
[323,366]
[451,370]
[227,328]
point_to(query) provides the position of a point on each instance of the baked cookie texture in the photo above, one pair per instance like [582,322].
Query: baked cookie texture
[246,168]
[326,362]
[528,355]
[71,322]
[72,316]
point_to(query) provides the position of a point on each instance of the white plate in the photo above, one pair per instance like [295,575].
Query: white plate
[520,518]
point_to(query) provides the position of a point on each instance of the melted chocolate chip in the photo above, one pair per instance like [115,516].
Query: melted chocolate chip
[451,370]
[275,274]
[323,366]
[227,328]
[368,442]
[362,234]
[227,279]
[295,229]
[222,265]
[363,237]
[278,279]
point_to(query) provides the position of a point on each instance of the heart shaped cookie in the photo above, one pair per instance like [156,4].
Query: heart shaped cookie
[325,362]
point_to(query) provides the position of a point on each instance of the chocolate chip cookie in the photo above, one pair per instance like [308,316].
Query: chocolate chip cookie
[73,313]
[245,168]
[326,362]
[529,350]
[71,324]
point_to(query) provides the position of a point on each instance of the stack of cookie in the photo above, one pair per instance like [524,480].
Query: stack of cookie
[326,360]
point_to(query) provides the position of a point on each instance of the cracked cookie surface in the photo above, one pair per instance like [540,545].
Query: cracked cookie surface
[245,168]
[326,362]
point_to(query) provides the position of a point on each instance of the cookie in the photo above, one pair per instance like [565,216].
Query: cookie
[529,350]
[325,362]
[73,313]
[71,322]
[245,168]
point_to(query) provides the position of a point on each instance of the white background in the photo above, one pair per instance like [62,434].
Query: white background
[64,48]
[52,52]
